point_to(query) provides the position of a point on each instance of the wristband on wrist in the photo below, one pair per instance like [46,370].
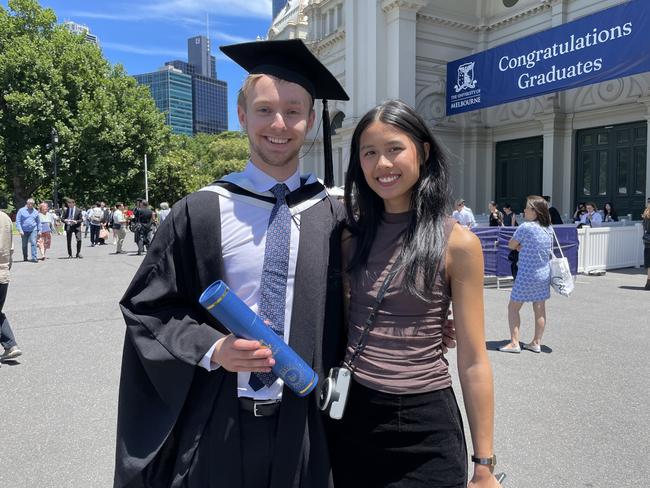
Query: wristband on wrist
[489,461]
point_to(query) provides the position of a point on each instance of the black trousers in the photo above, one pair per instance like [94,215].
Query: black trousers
[7,338]
[94,233]
[68,235]
[400,441]
[257,444]
[142,236]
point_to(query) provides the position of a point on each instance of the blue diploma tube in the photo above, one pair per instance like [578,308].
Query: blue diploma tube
[232,312]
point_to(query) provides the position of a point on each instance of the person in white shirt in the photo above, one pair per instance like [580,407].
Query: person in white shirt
[119,226]
[164,212]
[592,217]
[463,214]
[86,221]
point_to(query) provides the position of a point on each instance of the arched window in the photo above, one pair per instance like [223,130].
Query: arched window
[337,122]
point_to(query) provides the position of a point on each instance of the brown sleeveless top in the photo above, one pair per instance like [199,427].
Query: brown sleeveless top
[403,352]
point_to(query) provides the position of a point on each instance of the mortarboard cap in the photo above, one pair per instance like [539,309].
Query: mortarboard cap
[291,60]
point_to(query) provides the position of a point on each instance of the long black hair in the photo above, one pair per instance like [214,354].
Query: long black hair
[424,240]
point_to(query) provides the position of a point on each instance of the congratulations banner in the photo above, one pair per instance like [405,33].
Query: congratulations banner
[608,44]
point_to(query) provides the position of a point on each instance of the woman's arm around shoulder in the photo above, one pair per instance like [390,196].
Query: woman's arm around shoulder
[465,271]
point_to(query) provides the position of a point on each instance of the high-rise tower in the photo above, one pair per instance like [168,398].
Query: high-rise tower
[198,54]
[171,89]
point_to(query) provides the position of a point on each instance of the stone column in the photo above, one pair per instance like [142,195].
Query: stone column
[647,157]
[646,102]
[479,174]
[401,47]
[364,46]
[557,163]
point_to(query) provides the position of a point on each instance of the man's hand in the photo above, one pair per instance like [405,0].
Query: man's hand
[239,355]
[448,334]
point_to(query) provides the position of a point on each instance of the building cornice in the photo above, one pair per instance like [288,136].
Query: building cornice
[434,19]
[319,4]
[495,25]
[522,14]
[287,18]
[320,45]
[390,5]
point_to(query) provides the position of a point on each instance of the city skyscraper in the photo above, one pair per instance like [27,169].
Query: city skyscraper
[171,89]
[208,96]
[277,6]
[198,54]
[210,104]
[83,30]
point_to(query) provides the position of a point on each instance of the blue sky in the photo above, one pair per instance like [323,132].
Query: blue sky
[143,34]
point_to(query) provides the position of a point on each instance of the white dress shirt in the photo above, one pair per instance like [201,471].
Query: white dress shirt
[465,217]
[594,219]
[243,238]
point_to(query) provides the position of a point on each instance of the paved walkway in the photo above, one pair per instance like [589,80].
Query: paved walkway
[574,416]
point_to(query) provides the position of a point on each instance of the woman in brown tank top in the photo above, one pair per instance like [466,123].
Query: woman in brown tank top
[401,426]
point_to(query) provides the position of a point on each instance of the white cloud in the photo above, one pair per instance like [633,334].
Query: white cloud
[229,8]
[127,48]
[229,37]
[130,17]
[187,11]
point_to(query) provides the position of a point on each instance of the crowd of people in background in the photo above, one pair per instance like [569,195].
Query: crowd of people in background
[586,214]
[37,225]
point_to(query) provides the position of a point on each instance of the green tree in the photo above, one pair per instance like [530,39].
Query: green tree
[49,78]
[194,162]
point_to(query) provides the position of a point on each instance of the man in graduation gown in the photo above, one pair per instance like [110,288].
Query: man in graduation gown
[191,413]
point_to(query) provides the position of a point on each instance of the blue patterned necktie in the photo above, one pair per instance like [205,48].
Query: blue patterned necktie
[273,286]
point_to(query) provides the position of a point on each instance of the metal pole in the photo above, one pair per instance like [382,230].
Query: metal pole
[56,182]
[55,196]
[146,180]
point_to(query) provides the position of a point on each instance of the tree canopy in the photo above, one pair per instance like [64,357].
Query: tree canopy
[51,79]
[194,161]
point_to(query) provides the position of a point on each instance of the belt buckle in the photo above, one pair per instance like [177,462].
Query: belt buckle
[261,403]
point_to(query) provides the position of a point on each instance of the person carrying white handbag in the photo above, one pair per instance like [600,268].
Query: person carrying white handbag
[533,282]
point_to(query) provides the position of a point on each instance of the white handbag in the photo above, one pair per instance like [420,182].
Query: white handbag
[561,278]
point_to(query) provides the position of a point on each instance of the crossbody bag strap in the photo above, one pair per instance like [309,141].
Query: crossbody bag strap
[371,318]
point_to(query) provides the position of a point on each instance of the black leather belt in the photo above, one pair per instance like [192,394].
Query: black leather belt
[259,408]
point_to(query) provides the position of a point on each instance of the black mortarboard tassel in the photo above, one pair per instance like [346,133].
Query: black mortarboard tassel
[292,61]
[327,147]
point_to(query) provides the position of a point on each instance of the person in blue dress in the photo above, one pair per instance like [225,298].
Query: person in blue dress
[533,240]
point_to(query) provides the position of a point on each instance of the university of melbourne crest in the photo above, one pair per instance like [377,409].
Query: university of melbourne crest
[465,77]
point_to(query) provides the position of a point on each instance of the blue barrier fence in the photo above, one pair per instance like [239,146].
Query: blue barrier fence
[494,242]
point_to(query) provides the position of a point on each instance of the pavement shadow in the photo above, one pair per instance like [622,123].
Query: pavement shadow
[627,287]
[495,345]
[10,362]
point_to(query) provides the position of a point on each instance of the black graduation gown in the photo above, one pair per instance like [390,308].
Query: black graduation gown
[178,423]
